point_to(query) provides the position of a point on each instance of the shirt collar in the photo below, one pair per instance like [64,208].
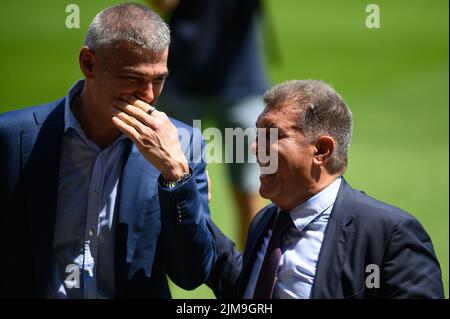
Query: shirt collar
[70,121]
[309,210]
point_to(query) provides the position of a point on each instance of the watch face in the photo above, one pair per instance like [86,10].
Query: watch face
[182,179]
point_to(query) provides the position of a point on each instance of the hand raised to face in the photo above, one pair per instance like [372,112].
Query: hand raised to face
[154,135]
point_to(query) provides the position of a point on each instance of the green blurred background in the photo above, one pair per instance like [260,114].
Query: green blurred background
[395,80]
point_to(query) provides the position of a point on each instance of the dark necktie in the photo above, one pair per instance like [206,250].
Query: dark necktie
[267,274]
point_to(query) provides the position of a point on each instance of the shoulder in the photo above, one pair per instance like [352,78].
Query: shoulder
[372,209]
[191,140]
[377,217]
[19,119]
[181,125]
[185,130]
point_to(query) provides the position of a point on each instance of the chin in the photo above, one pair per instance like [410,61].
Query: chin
[268,186]
[263,195]
[266,192]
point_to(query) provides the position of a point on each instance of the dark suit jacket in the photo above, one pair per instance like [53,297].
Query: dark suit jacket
[361,231]
[150,240]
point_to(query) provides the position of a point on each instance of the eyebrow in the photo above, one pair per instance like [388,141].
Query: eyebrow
[130,70]
[267,123]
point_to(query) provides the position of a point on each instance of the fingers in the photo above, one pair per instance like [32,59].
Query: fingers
[136,102]
[154,135]
[130,120]
[127,129]
[145,107]
[135,112]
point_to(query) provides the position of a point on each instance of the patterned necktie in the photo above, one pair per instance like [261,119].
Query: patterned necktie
[267,274]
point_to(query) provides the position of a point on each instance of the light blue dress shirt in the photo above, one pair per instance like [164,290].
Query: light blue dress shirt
[301,247]
[83,244]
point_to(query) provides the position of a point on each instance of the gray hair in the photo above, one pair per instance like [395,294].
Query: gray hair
[323,112]
[131,22]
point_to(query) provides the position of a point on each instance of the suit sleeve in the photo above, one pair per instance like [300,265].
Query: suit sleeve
[188,243]
[411,269]
[224,279]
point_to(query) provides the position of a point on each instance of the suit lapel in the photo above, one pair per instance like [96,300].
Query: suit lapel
[41,148]
[337,240]
[254,244]
[138,189]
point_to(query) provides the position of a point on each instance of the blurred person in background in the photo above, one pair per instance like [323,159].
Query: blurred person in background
[217,71]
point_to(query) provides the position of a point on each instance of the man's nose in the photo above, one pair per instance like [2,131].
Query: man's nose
[145,93]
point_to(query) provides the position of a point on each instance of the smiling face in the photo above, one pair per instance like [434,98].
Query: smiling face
[123,70]
[293,181]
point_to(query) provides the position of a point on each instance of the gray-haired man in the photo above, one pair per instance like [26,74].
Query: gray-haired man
[320,238]
[98,197]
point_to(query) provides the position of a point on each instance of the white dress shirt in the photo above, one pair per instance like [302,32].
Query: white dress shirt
[301,247]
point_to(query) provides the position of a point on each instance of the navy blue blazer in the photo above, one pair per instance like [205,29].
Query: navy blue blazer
[361,231]
[150,240]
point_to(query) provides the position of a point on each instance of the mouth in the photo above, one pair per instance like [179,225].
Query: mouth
[265,178]
[263,164]
[266,169]
[262,174]
[267,183]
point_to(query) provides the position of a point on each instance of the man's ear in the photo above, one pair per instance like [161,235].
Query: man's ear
[88,62]
[323,149]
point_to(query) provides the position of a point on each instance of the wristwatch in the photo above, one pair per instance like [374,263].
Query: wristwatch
[183,178]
